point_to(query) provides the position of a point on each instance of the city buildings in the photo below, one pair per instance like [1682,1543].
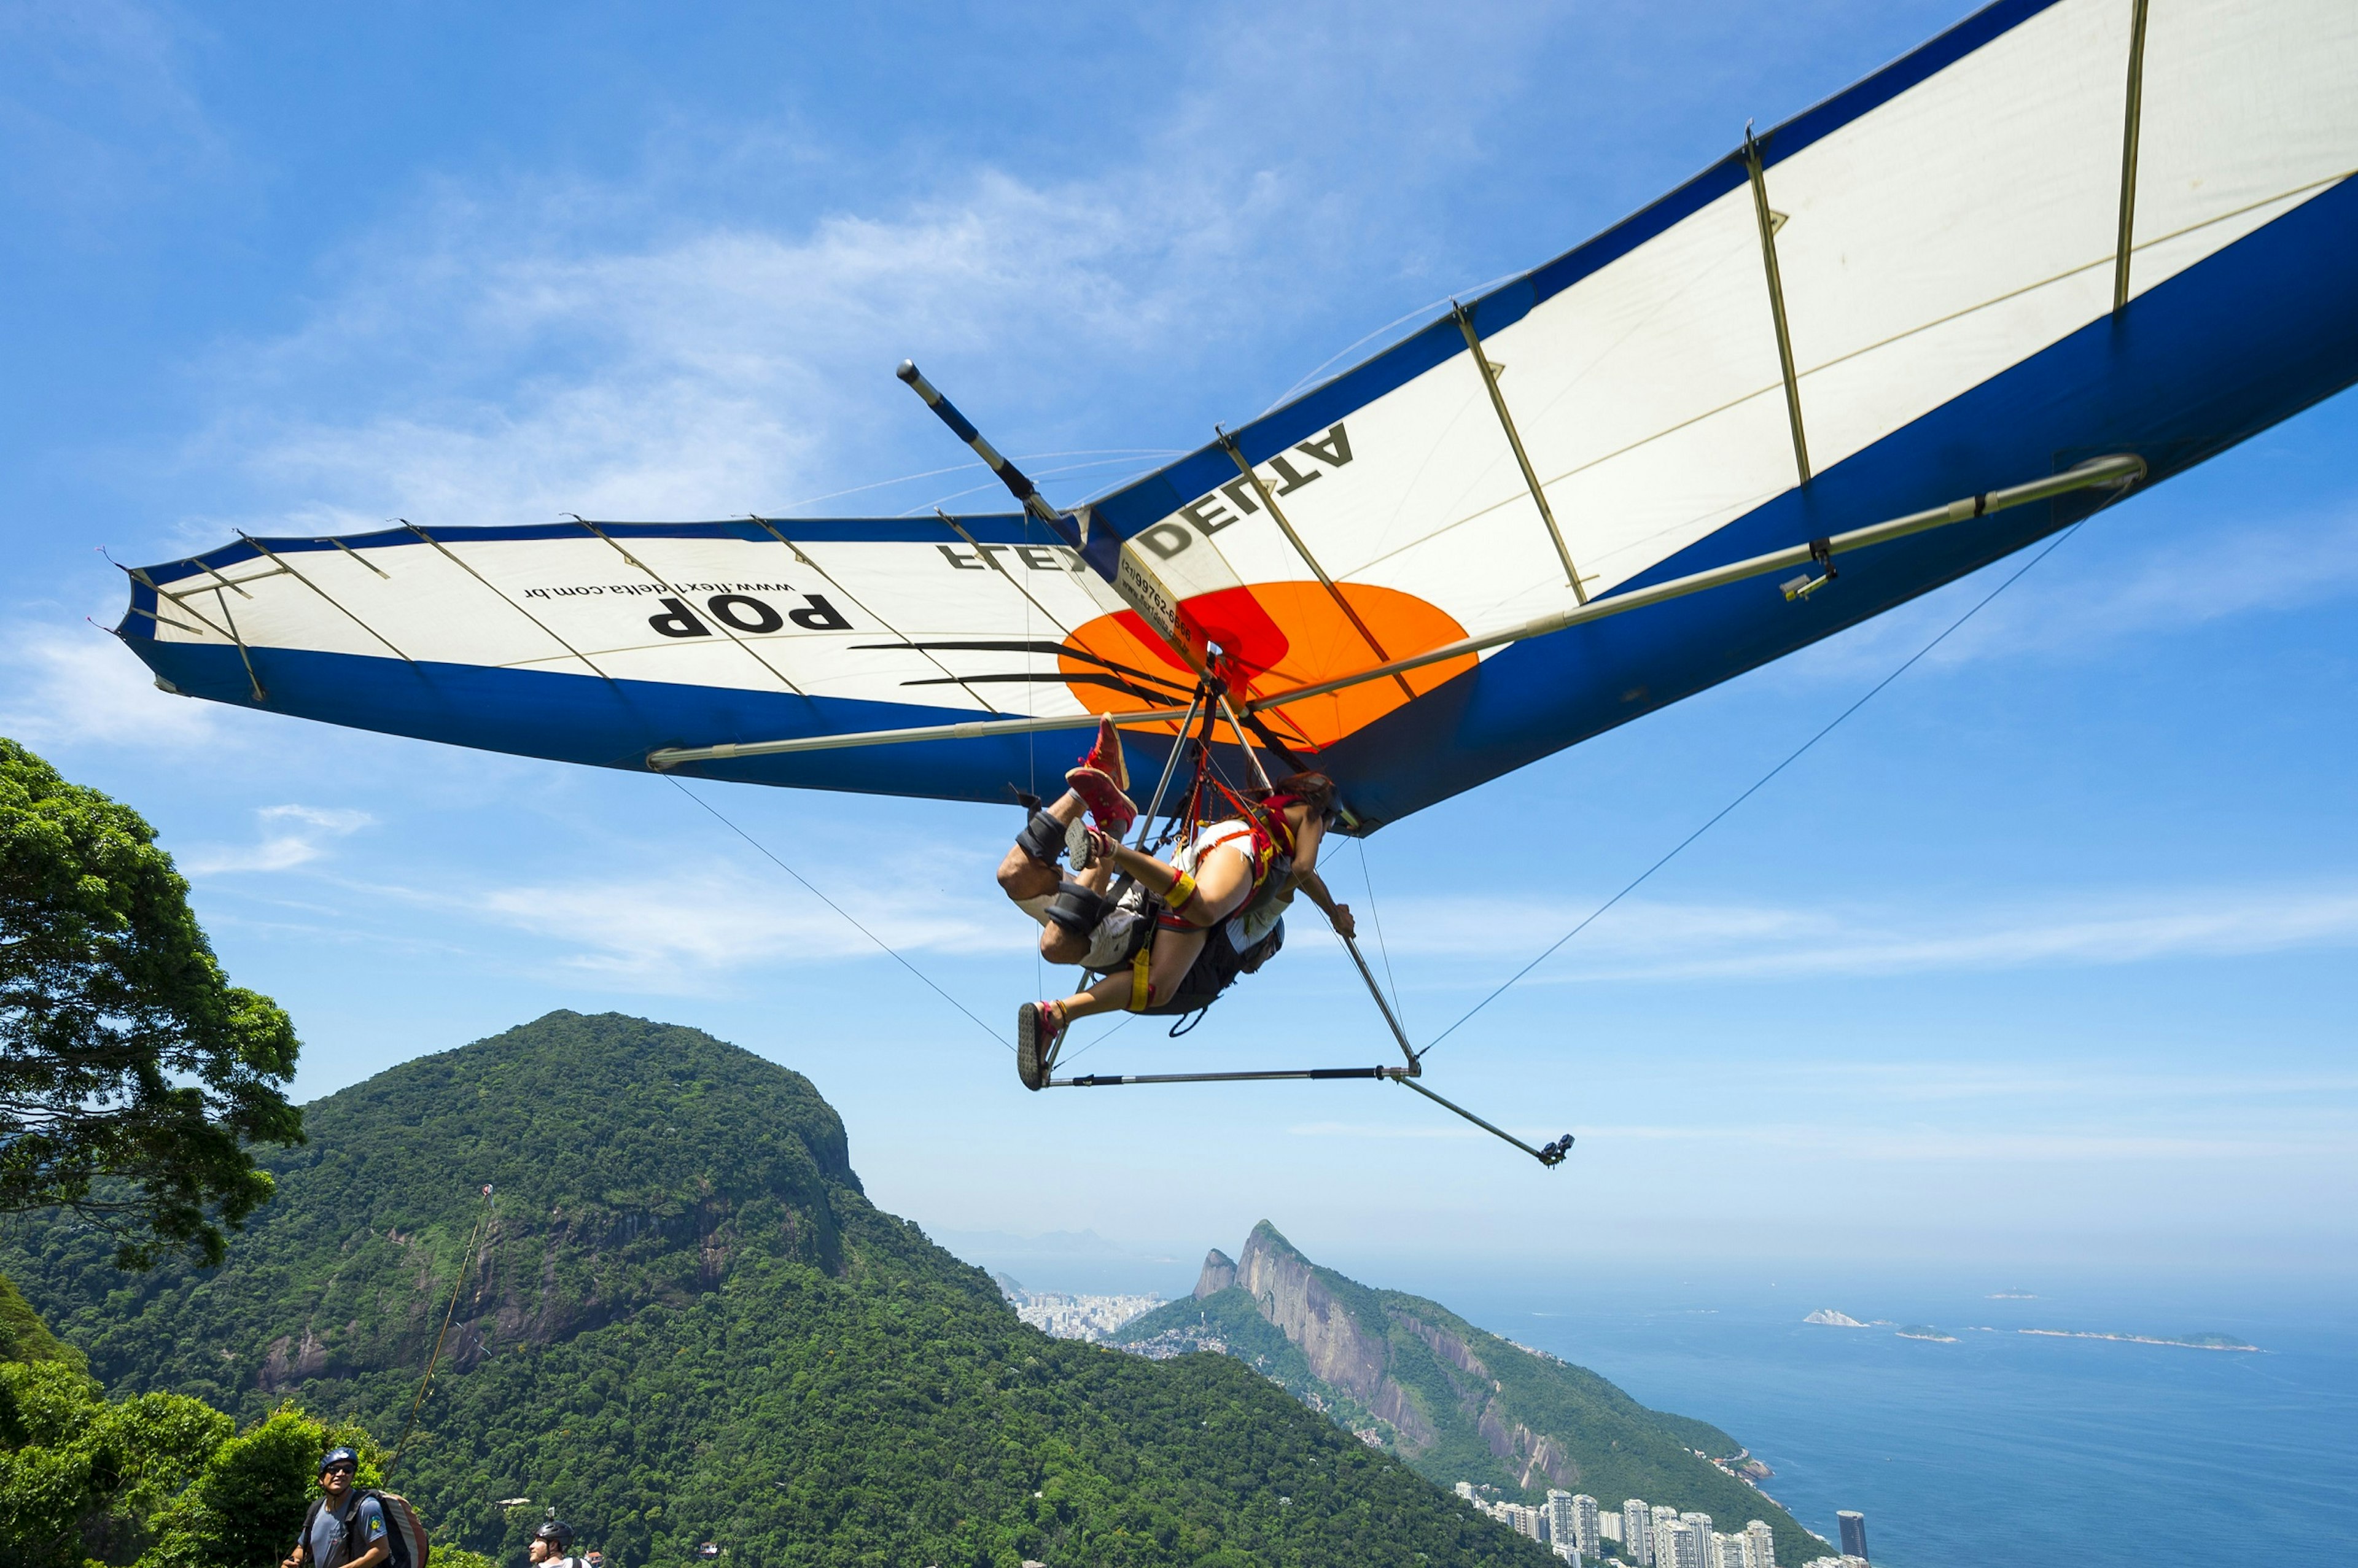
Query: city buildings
[1067,1316]
[1644,1535]
[1853,1533]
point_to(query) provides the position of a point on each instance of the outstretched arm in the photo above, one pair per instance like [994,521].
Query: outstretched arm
[1339,915]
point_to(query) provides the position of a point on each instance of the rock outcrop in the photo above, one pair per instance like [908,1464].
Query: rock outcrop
[1219,1273]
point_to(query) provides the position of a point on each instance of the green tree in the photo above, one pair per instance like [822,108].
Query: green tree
[81,1479]
[247,1506]
[132,1076]
[156,1480]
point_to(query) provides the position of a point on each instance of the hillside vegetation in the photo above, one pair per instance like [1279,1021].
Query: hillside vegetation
[685,1322]
[1456,1402]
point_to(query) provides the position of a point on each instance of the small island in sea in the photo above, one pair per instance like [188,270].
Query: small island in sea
[1926,1331]
[2185,1342]
[1833,1319]
[2009,1296]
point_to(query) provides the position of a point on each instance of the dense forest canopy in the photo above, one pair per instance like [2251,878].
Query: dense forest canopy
[685,1323]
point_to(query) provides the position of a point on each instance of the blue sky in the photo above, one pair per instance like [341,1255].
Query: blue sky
[2043,961]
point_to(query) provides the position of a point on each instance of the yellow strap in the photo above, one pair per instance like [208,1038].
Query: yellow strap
[1140,967]
[1180,893]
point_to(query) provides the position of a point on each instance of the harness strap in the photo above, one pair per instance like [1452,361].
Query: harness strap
[1141,989]
[1181,893]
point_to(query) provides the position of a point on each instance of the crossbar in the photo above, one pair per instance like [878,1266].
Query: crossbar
[972,729]
[1115,1080]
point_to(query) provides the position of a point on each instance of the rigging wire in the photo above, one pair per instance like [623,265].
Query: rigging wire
[1795,756]
[889,950]
[466,1265]
[1375,915]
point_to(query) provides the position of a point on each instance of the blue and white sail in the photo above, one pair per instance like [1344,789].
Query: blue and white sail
[2063,233]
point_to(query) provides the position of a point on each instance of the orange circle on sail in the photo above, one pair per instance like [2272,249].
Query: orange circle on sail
[1273,637]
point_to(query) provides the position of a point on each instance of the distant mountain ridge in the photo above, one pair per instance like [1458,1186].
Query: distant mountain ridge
[1456,1402]
[685,1322]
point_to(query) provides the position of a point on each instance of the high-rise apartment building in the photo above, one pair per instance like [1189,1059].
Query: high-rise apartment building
[1638,1531]
[1760,1545]
[1564,1520]
[1523,1520]
[1854,1534]
[1587,1524]
[1681,1544]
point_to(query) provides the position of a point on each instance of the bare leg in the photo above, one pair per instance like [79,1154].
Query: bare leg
[1060,946]
[1174,955]
[1020,876]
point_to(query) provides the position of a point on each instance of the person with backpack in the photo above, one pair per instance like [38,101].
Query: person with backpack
[552,1546]
[346,1525]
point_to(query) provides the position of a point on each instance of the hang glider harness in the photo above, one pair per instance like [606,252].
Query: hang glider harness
[2115,474]
[1208,797]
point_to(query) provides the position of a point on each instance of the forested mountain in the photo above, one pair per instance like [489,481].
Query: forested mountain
[1456,1402]
[681,1321]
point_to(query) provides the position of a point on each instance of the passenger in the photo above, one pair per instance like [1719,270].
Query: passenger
[1222,899]
[344,1527]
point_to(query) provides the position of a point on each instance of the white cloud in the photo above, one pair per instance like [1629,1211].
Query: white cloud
[292,836]
[709,373]
[62,685]
[676,929]
[1641,940]
[2071,607]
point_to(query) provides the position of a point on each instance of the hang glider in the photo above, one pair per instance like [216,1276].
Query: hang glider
[2063,247]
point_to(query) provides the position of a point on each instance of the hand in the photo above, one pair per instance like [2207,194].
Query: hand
[1344,924]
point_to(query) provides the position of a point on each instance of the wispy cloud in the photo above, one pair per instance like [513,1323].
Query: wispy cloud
[681,928]
[2065,609]
[719,370]
[66,683]
[291,836]
[1641,940]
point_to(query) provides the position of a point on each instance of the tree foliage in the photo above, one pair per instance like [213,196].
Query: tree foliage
[689,1324]
[132,1076]
[161,1480]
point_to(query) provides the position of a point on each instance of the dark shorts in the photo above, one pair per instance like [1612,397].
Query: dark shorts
[1216,969]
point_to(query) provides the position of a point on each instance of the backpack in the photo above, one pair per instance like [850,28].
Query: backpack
[404,1529]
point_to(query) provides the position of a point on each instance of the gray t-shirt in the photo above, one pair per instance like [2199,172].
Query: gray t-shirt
[328,1542]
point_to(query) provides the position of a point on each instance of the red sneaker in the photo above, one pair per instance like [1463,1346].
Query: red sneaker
[1038,1025]
[1106,755]
[1110,808]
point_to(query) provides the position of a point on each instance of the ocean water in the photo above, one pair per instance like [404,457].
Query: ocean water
[2001,1446]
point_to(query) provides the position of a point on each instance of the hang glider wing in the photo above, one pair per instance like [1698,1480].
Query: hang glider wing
[2062,232]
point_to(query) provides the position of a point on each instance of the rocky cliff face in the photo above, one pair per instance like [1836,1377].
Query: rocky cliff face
[1342,1350]
[1219,1273]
